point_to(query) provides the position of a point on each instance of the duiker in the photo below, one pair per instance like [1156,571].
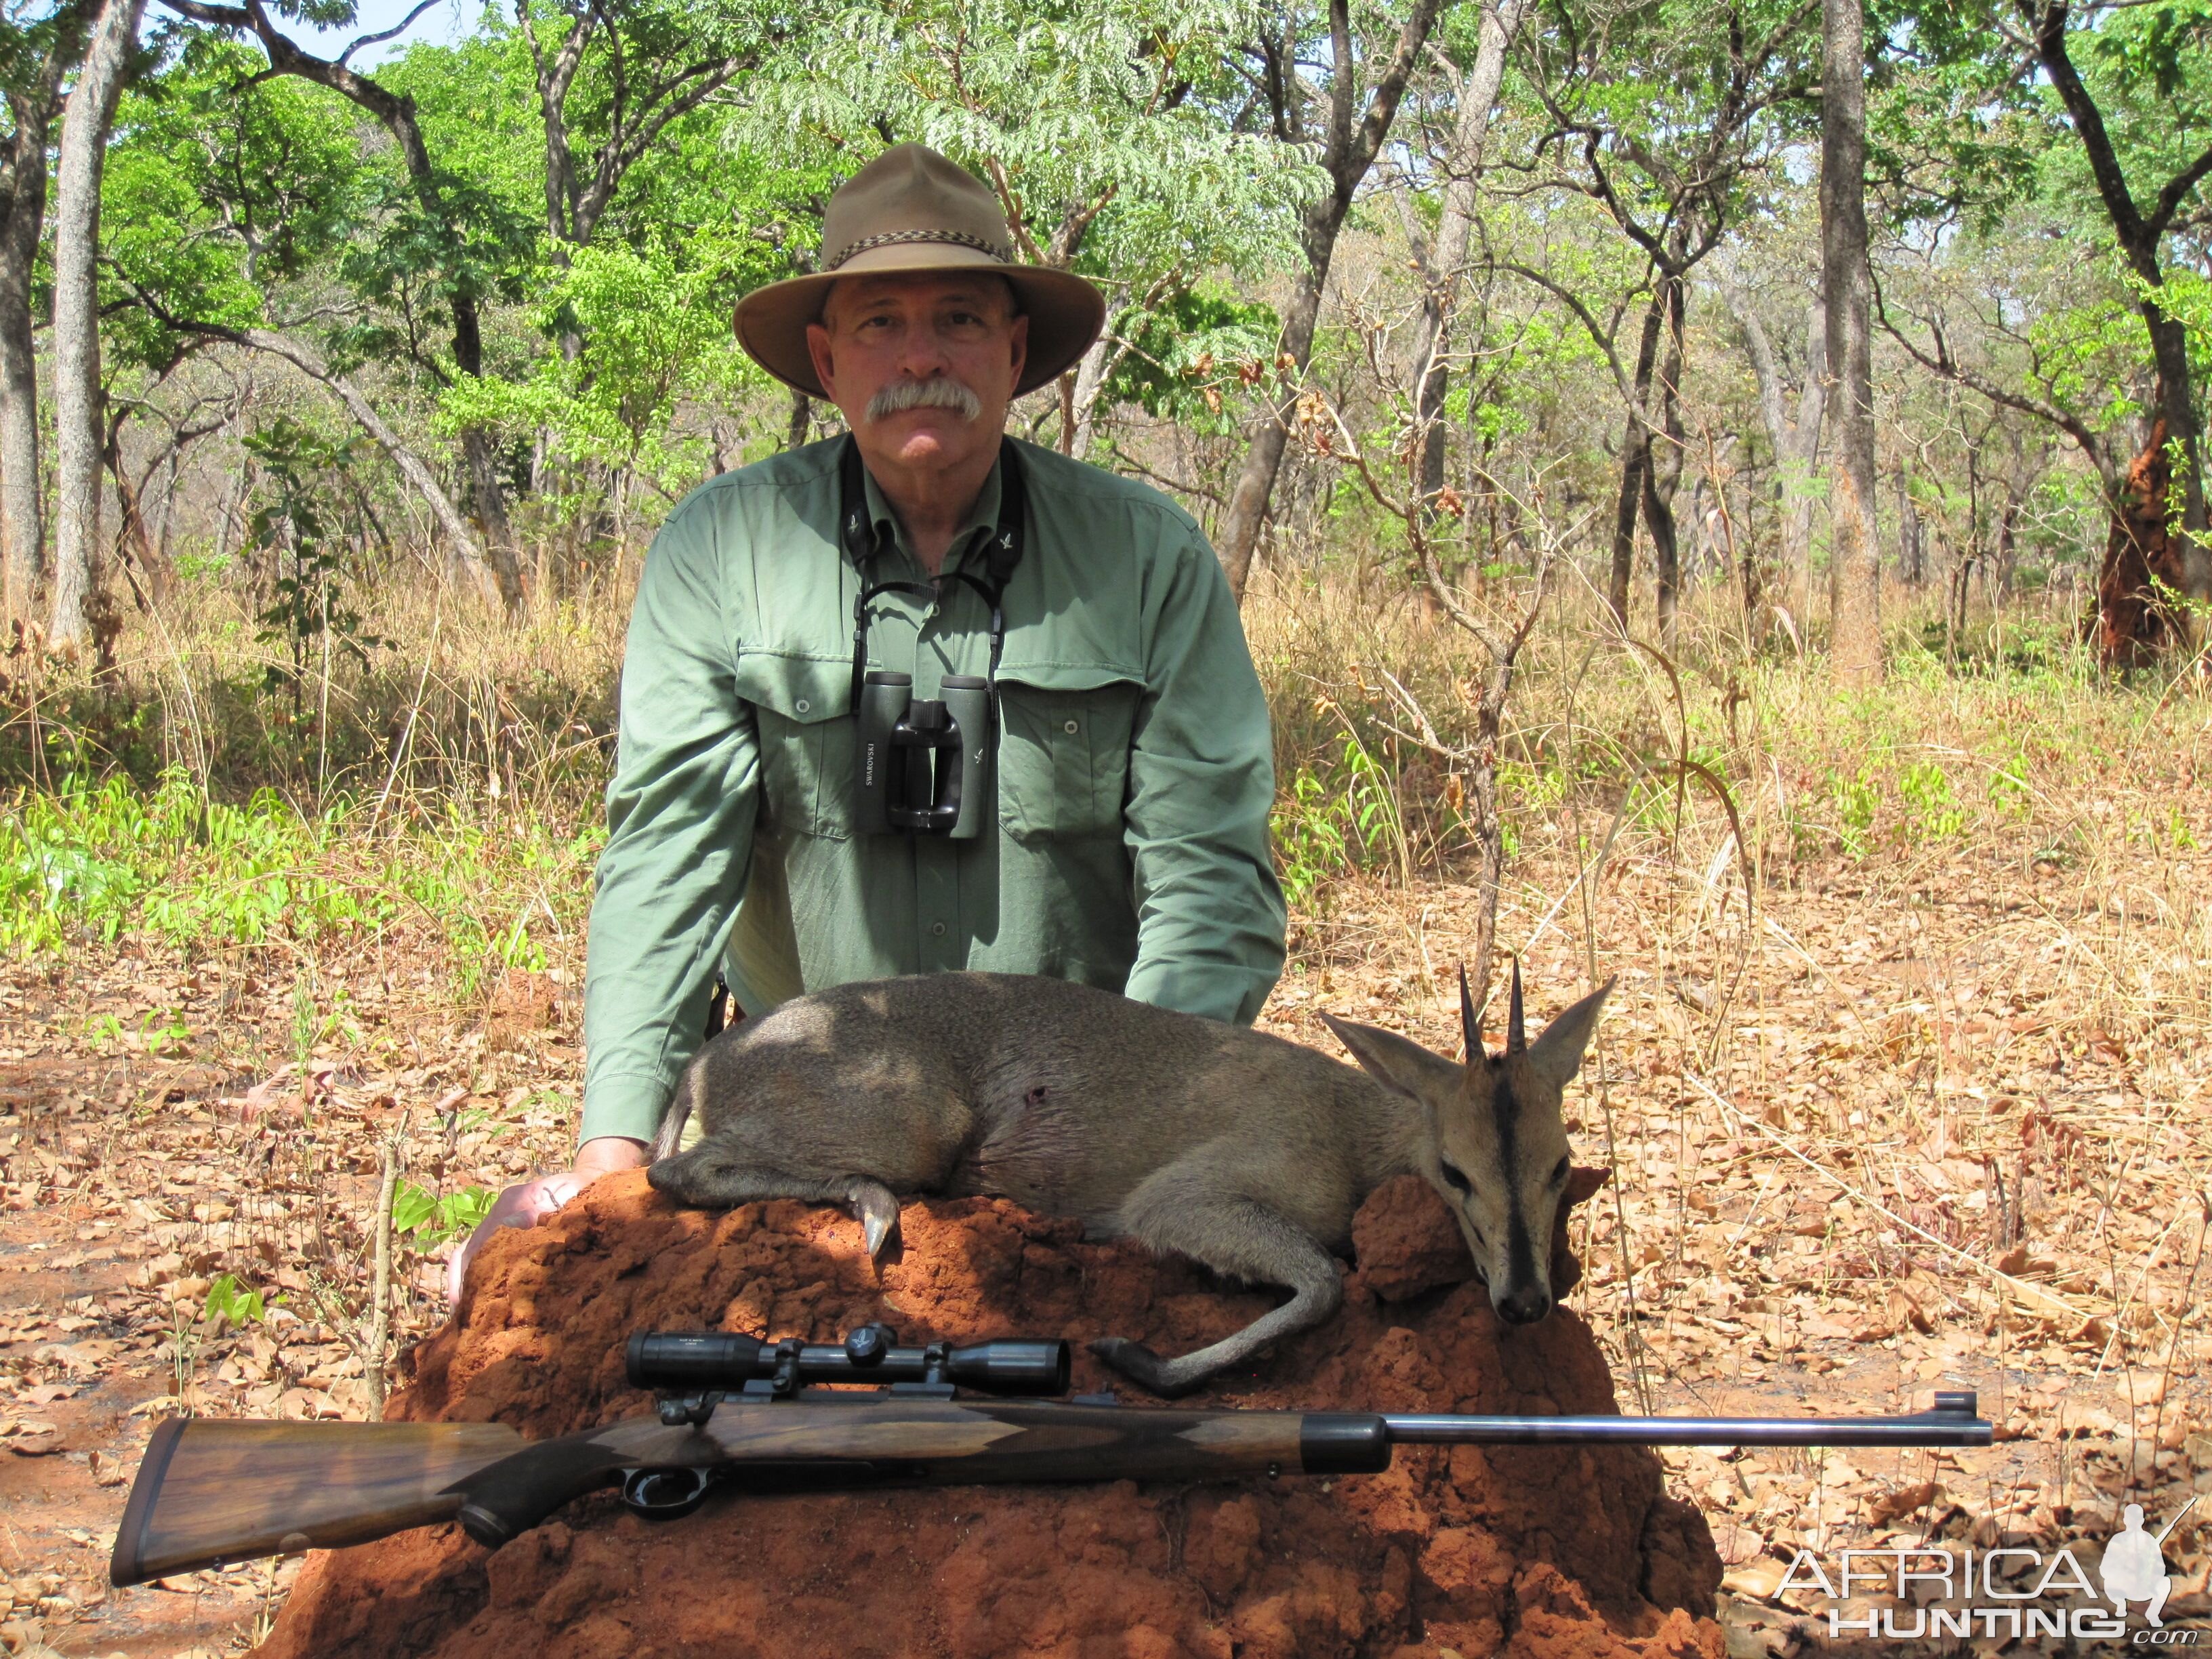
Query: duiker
[1243,1151]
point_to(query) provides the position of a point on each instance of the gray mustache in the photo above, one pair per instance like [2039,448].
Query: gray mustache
[940,392]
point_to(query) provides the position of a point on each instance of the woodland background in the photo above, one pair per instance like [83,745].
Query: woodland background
[1715,490]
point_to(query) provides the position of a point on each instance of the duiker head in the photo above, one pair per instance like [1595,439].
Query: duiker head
[1495,1139]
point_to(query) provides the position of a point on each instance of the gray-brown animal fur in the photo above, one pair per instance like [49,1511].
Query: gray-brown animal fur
[1243,1151]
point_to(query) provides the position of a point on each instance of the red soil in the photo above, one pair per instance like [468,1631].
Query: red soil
[1550,1554]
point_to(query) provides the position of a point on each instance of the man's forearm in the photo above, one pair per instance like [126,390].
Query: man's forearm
[679,840]
[1210,916]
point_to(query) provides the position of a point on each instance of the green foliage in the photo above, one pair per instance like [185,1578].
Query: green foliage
[229,1302]
[2150,68]
[2083,353]
[1312,842]
[1346,818]
[655,331]
[1952,133]
[428,1219]
[1934,815]
[1184,353]
[198,874]
[1855,800]
[218,187]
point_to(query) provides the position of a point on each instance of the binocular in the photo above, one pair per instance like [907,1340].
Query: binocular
[922,760]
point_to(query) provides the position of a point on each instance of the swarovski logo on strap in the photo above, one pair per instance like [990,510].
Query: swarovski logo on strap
[1004,255]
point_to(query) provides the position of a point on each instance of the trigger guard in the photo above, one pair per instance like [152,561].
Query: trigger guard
[665,1494]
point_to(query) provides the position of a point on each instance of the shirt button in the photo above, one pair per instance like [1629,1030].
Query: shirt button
[937,928]
[1069,728]
[802,705]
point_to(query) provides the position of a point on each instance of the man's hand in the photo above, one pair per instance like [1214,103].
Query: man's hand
[526,1203]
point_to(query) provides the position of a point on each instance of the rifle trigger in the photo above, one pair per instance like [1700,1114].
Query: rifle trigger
[666,1494]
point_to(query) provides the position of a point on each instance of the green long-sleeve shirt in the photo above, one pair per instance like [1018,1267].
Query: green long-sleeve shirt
[1133,774]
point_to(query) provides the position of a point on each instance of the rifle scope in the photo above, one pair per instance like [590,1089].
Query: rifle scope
[688,1361]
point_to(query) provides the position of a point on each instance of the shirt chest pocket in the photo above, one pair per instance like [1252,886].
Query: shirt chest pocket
[803,709]
[1064,751]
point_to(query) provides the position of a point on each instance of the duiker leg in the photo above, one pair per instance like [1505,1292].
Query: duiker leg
[713,1175]
[1211,1221]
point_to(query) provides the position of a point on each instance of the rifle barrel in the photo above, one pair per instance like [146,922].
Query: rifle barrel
[1952,1422]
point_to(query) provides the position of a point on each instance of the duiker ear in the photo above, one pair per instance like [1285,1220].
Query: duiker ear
[1557,1055]
[1399,1064]
[1583,1184]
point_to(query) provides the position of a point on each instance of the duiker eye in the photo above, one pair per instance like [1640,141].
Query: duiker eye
[1559,1174]
[1458,1182]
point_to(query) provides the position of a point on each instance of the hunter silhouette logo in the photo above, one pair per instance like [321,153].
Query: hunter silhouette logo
[2009,1594]
[2133,1567]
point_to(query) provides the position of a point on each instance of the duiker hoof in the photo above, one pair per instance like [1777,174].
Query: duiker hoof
[879,1212]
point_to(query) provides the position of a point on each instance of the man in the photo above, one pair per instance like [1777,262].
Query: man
[1125,842]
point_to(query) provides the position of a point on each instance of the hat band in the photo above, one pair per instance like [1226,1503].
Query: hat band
[1004,255]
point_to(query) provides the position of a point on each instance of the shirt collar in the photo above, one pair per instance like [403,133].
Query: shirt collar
[983,516]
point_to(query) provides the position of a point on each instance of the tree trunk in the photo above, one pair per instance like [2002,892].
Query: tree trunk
[1635,461]
[1749,584]
[1796,443]
[1662,471]
[22,217]
[1796,474]
[1462,166]
[1090,376]
[1255,483]
[1349,153]
[1909,565]
[22,537]
[1854,567]
[1635,455]
[482,464]
[2175,398]
[77,426]
[32,104]
[155,578]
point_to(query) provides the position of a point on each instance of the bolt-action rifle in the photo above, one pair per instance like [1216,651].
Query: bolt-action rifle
[762,1415]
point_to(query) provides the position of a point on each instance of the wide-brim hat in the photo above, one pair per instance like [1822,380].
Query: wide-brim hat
[912,209]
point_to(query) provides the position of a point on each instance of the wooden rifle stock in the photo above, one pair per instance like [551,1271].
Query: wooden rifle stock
[213,1490]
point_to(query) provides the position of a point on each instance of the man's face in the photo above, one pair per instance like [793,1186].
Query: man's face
[921,365]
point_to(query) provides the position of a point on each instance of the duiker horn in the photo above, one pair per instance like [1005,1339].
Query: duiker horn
[1516,1033]
[1470,1027]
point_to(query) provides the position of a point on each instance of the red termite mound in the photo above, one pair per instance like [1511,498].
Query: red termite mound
[1547,1552]
[2135,620]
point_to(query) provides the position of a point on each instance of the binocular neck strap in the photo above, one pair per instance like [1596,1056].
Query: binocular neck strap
[857,534]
